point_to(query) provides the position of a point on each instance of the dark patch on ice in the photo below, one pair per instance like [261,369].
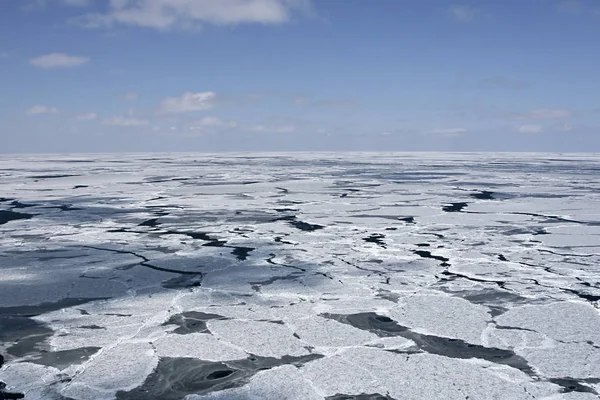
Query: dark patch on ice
[18,204]
[51,176]
[279,239]
[32,311]
[455,275]
[152,223]
[483,195]
[65,358]
[8,395]
[408,220]
[192,322]
[65,207]
[492,298]
[501,257]
[363,396]
[391,229]
[376,238]
[241,253]
[215,243]
[23,335]
[7,216]
[193,235]
[92,327]
[455,207]
[387,295]
[257,285]
[175,378]
[384,326]
[184,281]
[555,219]
[146,263]
[80,186]
[423,245]
[427,254]
[571,385]
[303,226]
[583,295]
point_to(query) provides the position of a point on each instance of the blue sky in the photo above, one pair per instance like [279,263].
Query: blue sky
[279,75]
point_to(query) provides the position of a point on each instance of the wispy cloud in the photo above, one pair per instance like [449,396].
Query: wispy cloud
[130,96]
[543,114]
[188,102]
[191,14]
[125,121]
[529,128]
[39,109]
[214,121]
[86,117]
[273,128]
[463,13]
[58,60]
[211,125]
[450,132]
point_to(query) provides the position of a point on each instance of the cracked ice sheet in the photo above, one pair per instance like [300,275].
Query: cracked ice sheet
[261,338]
[284,382]
[240,200]
[122,367]
[445,316]
[559,339]
[197,345]
[419,376]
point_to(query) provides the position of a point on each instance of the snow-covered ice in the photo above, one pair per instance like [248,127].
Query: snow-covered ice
[300,276]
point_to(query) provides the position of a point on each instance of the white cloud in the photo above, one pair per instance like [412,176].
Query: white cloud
[188,102]
[449,131]
[463,13]
[564,128]
[58,60]
[86,117]
[273,128]
[215,122]
[130,96]
[543,114]
[37,110]
[530,128]
[125,121]
[190,14]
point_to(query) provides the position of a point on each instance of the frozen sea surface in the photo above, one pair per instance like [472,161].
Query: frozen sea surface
[300,276]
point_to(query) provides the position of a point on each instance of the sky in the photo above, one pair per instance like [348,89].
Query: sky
[299,75]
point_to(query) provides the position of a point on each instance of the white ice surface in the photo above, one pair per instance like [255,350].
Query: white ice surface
[522,273]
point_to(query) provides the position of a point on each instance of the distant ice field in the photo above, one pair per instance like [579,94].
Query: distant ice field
[300,276]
